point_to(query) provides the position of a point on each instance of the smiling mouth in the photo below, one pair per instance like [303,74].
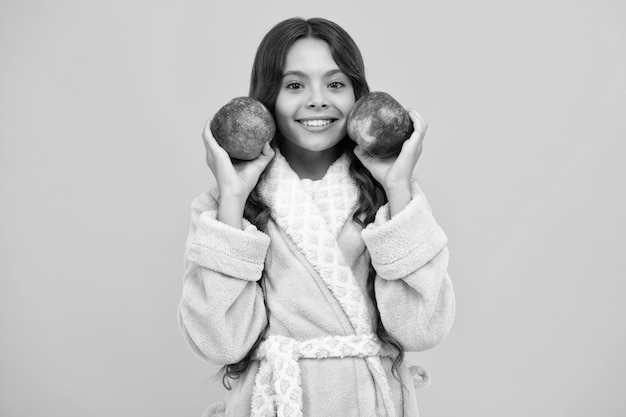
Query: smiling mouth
[317,122]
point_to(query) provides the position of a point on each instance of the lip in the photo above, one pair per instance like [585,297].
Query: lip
[316,123]
[318,117]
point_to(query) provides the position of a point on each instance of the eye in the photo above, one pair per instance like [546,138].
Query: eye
[336,84]
[294,85]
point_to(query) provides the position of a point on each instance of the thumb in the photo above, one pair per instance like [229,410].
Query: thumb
[363,156]
[264,158]
[267,153]
[360,153]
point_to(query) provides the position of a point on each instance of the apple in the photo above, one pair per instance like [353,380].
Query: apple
[379,124]
[242,126]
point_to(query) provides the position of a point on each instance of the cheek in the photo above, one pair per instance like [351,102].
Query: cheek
[282,118]
[279,110]
[348,102]
[285,105]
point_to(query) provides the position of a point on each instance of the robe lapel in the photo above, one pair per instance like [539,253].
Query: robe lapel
[314,226]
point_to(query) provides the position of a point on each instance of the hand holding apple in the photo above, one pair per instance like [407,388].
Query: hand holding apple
[394,173]
[379,124]
[235,179]
[242,127]
[397,170]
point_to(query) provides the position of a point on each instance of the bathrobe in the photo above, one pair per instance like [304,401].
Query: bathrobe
[306,275]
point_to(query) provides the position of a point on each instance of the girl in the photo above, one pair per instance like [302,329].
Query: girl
[313,268]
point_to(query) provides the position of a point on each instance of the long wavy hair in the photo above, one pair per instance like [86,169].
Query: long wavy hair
[265,82]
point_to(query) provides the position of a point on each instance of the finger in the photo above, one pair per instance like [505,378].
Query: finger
[412,148]
[409,153]
[362,154]
[207,135]
[214,149]
[206,130]
[210,157]
[419,124]
[268,151]
[210,140]
[417,150]
[266,155]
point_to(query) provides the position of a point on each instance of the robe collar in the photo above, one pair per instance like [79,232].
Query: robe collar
[334,200]
[314,223]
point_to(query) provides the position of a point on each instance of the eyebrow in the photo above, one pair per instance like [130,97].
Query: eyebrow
[303,75]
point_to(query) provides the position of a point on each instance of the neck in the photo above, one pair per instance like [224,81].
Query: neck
[309,164]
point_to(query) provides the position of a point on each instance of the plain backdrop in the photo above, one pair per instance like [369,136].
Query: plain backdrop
[101,108]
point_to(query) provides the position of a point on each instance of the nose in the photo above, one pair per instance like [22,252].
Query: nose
[317,99]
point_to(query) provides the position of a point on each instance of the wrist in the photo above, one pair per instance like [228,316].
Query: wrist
[233,199]
[398,198]
[230,210]
[398,188]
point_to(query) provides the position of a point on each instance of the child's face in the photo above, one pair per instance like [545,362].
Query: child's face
[315,97]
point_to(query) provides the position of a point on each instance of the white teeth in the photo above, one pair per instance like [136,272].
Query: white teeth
[316,123]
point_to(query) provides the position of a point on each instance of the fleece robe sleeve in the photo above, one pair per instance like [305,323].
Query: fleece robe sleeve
[414,293]
[221,311]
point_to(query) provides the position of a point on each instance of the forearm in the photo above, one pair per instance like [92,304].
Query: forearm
[398,197]
[220,317]
[419,309]
[413,290]
[222,310]
[230,210]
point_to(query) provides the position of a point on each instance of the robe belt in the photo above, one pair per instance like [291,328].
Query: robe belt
[277,386]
